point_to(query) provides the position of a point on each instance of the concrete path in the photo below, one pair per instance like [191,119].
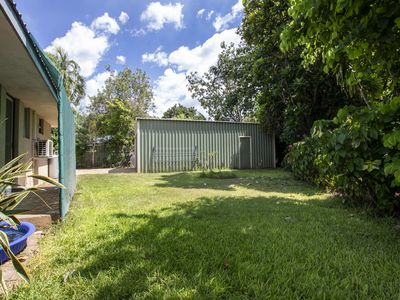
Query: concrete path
[105,171]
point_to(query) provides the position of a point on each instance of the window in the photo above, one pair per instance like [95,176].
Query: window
[27,123]
[10,134]
[41,126]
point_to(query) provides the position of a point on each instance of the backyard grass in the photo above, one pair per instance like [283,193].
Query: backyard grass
[181,236]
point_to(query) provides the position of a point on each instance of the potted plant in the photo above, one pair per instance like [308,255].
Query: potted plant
[9,199]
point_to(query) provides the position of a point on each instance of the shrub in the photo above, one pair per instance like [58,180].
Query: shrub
[356,153]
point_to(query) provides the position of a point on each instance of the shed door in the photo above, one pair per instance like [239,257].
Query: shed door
[245,152]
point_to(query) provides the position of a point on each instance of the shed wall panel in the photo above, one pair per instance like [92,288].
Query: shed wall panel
[177,145]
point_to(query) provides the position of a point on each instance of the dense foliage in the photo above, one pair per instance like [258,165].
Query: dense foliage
[178,111]
[290,97]
[359,40]
[356,154]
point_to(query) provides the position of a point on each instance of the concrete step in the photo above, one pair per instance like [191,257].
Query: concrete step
[41,221]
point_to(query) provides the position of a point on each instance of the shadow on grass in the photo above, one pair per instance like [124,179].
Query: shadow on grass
[234,247]
[260,180]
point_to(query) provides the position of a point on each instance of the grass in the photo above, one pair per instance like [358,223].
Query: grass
[179,236]
[219,174]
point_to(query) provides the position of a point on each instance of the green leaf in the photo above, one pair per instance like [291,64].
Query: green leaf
[373,133]
[4,243]
[48,180]
[9,219]
[341,138]
[398,22]
[3,283]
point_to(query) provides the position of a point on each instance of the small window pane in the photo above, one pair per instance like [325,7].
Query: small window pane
[41,125]
[27,122]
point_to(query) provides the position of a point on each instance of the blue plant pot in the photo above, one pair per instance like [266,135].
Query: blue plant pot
[22,233]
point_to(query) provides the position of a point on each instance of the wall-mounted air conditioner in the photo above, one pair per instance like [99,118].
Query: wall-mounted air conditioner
[43,148]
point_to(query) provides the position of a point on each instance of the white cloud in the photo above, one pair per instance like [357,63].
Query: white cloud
[157,15]
[121,60]
[105,24]
[222,22]
[198,59]
[137,32]
[93,85]
[171,87]
[201,58]
[159,57]
[203,12]
[200,13]
[123,17]
[209,15]
[83,45]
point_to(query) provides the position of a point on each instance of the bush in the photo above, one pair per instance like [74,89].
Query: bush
[357,154]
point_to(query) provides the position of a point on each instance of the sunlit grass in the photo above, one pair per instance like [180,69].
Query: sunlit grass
[259,235]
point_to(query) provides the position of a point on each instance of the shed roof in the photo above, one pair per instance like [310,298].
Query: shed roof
[187,120]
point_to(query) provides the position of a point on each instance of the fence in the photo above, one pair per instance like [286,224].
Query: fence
[101,158]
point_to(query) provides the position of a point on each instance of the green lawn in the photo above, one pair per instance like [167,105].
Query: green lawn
[260,235]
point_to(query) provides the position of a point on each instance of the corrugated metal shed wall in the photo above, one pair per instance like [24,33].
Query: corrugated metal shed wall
[177,145]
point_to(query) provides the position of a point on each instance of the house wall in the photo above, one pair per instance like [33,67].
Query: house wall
[22,143]
[2,127]
[177,145]
[25,145]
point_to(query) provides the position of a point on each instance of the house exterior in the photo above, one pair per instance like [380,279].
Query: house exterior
[32,102]
[165,145]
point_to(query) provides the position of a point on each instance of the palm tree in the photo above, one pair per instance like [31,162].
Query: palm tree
[74,83]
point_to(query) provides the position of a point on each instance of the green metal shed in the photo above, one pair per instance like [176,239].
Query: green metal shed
[165,145]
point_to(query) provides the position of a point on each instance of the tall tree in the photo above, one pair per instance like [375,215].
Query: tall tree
[126,95]
[118,126]
[225,91]
[87,137]
[74,83]
[132,87]
[290,97]
[178,111]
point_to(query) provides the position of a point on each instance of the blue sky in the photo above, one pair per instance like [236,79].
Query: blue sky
[167,39]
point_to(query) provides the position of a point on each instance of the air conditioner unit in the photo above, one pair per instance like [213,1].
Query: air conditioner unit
[43,148]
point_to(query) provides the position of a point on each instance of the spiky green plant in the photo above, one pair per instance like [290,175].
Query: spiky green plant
[9,174]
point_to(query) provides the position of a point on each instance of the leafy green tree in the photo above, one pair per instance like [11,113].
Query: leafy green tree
[358,151]
[132,87]
[358,40]
[87,136]
[178,111]
[225,91]
[290,97]
[74,83]
[127,95]
[118,125]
